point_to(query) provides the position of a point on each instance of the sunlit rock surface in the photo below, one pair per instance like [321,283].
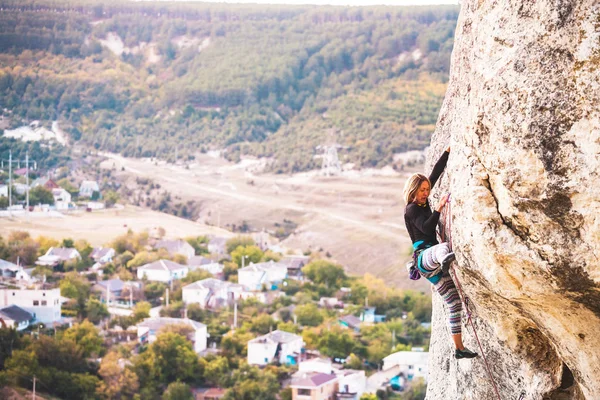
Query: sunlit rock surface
[522,114]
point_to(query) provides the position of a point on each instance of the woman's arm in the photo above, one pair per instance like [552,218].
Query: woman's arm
[439,167]
[421,222]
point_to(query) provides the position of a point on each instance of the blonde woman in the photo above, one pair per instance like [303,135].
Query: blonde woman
[432,258]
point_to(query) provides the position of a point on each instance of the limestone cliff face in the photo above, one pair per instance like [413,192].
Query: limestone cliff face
[522,114]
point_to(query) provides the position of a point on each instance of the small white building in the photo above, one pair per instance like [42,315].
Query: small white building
[211,293]
[176,247]
[314,386]
[15,317]
[87,188]
[44,305]
[215,269]
[217,245]
[351,384]
[102,255]
[268,274]
[8,269]
[411,364]
[57,255]
[322,365]
[20,188]
[62,198]
[4,190]
[150,328]
[162,271]
[284,347]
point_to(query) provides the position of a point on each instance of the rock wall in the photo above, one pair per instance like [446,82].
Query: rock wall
[522,114]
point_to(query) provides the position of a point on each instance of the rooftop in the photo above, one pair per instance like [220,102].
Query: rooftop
[209,283]
[277,337]
[15,313]
[158,322]
[163,265]
[312,380]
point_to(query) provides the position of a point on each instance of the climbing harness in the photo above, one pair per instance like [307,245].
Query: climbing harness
[463,297]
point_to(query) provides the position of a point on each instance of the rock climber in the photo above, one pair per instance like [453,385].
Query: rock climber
[432,258]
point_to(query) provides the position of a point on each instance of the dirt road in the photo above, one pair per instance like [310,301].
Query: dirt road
[356,219]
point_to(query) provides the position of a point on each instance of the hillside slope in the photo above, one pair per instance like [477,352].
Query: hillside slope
[170,80]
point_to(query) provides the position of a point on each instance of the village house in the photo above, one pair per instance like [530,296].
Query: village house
[294,264]
[58,255]
[149,329]
[267,275]
[314,386]
[196,261]
[87,188]
[215,269]
[45,182]
[268,297]
[4,190]
[350,322]
[118,293]
[351,383]
[44,305]
[211,293]
[15,317]
[283,347]
[62,199]
[20,188]
[217,245]
[8,269]
[102,255]
[162,271]
[368,315]
[174,247]
[409,364]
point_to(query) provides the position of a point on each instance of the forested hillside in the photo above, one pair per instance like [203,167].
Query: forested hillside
[170,79]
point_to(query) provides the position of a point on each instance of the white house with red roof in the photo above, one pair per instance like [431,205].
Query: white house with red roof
[162,271]
[314,386]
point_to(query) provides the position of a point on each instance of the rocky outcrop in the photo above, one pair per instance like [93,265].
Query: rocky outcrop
[522,114]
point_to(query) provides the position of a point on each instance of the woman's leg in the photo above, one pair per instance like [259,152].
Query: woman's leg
[447,290]
[433,256]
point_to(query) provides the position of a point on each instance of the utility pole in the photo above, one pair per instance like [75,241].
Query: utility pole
[235,315]
[9,179]
[33,397]
[27,178]
[167,296]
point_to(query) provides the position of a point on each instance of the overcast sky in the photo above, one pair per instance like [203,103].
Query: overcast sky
[342,2]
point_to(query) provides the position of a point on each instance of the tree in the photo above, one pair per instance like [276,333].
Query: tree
[86,336]
[22,247]
[238,241]
[215,370]
[40,195]
[199,243]
[111,198]
[154,290]
[96,311]
[325,272]
[178,391]
[252,254]
[74,286]
[141,311]
[309,315]
[249,382]
[168,359]
[117,382]
[262,324]
[10,340]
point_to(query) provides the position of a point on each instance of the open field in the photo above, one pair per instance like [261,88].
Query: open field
[100,227]
[357,219]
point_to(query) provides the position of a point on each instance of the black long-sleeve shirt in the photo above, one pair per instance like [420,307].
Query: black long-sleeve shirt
[419,219]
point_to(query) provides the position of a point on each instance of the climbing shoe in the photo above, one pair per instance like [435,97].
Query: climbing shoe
[446,262]
[466,353]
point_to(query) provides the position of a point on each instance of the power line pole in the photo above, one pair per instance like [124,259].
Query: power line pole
[33,388]
[27,178]
[9,179]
